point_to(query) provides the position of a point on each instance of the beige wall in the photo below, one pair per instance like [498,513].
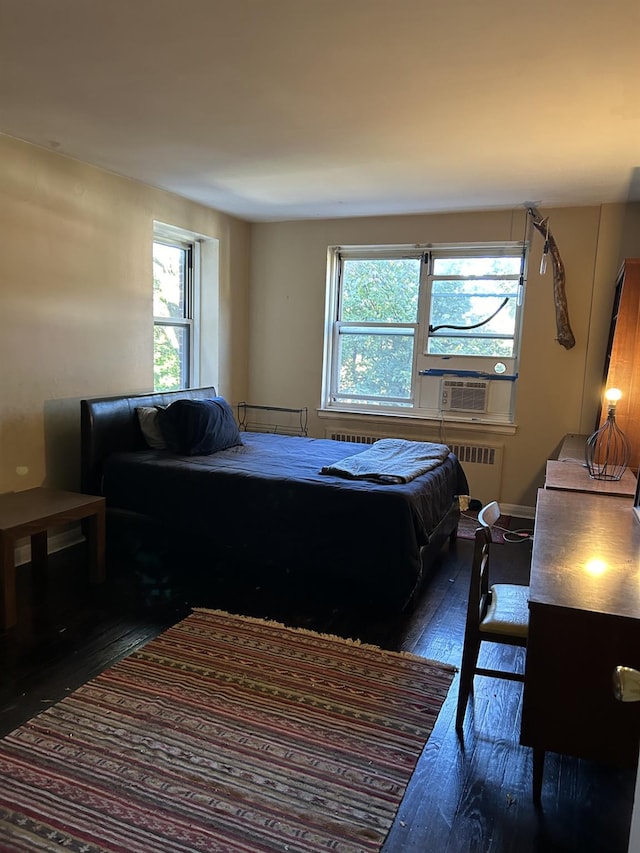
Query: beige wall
[76,309]
[558,389]
[76,302]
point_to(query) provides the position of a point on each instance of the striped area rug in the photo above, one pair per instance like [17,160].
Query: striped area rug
[225,733]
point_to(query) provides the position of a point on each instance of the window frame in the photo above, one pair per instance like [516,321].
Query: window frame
[373,253]
[189,322]
[495,251]
[422,362]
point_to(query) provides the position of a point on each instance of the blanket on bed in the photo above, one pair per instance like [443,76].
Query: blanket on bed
[390,460]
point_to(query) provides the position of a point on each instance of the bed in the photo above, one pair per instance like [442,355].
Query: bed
[265,507]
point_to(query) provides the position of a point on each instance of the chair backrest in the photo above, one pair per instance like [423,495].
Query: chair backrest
[489,514]
[479,583]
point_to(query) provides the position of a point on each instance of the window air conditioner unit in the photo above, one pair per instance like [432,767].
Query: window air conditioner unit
[464,395]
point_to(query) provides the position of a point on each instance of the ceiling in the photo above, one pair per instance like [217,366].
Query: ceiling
[292,109]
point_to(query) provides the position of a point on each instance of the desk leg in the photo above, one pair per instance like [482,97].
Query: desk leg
[9,608]
[95,533]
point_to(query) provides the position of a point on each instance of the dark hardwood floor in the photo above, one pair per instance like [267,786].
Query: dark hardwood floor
[469,796]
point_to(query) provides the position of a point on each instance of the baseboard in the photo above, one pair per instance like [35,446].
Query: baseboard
[55,542]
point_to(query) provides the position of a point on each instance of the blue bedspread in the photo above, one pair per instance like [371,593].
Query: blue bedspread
[266,503]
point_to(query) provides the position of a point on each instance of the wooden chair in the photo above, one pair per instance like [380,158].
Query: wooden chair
[497,613]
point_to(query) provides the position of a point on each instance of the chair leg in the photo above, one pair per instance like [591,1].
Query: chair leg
[538,769]
[467,670]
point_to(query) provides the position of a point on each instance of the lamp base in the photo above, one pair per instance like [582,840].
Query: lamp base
[595,475]
[607,451]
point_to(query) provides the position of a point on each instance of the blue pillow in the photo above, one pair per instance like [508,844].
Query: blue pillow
[199,427]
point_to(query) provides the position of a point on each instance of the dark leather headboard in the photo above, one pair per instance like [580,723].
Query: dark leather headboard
[108,424]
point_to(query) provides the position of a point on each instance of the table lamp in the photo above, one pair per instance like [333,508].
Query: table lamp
[607,451]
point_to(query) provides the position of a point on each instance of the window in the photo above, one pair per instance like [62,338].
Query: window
[474,305]
[376,329]
[401,318]
[175,279]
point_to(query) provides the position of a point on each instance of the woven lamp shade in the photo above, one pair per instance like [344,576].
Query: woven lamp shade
[607,451]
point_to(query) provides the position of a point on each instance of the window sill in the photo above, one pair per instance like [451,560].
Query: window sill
[377,421]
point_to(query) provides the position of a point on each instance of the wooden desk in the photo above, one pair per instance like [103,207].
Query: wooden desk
[32,513]
[584,620]
[571,475]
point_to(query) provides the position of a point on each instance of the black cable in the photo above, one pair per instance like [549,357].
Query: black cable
[433,329]
[520,535]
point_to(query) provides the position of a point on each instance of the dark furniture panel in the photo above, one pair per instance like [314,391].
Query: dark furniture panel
[584,621]
[569,704]
[622,362]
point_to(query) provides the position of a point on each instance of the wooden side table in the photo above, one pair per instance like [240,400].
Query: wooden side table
[32,513]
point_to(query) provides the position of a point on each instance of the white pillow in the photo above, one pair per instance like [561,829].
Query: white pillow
[148,420]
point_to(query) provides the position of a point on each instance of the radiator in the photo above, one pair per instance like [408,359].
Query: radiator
[482,463]
[352,437]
